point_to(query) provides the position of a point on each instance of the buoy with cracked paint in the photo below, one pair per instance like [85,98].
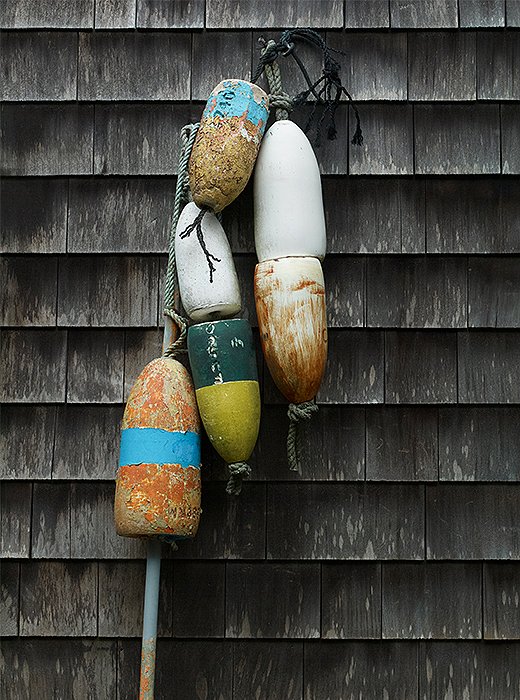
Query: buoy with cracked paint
[223,363]
[227,143]
[290,305]
[208,281]
[289,217]
[158,481]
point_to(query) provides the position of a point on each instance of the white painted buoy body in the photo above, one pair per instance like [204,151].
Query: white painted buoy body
[206,294]
[289,216]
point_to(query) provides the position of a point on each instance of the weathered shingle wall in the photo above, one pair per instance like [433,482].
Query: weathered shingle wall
[388,566]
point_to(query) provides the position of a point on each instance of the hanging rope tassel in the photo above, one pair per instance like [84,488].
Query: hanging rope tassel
[296,413]
[237,472]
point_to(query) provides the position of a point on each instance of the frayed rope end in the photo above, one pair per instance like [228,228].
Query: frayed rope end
[238,471]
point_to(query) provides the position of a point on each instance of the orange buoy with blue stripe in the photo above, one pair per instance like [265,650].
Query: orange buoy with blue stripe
[223,364]
[158,481]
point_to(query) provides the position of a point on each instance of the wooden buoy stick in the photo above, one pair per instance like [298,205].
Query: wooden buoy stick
[151,606]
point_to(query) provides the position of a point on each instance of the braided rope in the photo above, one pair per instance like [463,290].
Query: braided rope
[277,98]
[237,472]
[187,135]
[296,413]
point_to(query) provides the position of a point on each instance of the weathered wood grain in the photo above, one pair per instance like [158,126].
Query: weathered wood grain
[231,528]
[91,665]
[374,67]
[26,441]
[290,596]
[139,139]
[121,595]
[38,66]
[244,14]
[501,601]
[219,55]
[141,347]
[354,372]
[479,443]
[498,70]
[9,598]
[482,13]
[351,601]
[472,216]
[34,366]
[345,521]
[512,13]
[15,520]
[50,522]
[510,119]
[367,215]
[432,601]
[46,139]
[108,291]
[95,367]
[34,215]
[442,66]
[263,669]
[494,292]
[93,534]
[345,291]
[119,215]
[60,14]
[201,615]
[360,670]
[332,155]
[87,442]
[472,521]
[402,444]
[115,14]
[58,599]
[433,379]
[369,14]
[29,291]
[181,14]
[134,66]
[245,268]
[488,367]
[418,292]
[387,148]
[423,14]
[457,139]
[472,670]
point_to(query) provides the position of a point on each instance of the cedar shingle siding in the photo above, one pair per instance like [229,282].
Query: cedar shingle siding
[388,567]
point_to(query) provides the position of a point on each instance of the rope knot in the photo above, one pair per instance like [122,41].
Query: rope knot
[178,346]
[238,471]
[297,412]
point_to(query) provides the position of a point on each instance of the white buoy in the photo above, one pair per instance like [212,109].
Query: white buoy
[289,217]
[208,282]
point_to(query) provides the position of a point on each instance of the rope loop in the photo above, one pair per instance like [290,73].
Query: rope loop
[238,471]
[177,346]
[297,412]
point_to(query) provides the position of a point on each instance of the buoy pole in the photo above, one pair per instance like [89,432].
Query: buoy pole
[151,606]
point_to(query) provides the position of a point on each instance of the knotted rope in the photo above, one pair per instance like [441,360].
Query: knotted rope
[237,472]
[296,413]
[277,97]
[182,195]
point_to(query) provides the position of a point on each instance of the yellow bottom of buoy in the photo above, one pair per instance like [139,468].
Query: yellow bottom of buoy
[231,415]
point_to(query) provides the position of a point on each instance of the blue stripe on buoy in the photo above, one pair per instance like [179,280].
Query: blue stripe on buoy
[156,446]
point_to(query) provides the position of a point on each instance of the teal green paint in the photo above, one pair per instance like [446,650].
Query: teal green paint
[221,351]
[235,100]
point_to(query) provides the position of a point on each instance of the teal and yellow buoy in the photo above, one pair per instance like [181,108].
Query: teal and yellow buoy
[223,364]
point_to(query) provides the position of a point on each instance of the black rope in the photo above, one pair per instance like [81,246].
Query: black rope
[326,90]
[196,225]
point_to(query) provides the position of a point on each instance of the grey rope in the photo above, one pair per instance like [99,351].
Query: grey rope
[237,472]
[187,134]
[297,412]
[277,98]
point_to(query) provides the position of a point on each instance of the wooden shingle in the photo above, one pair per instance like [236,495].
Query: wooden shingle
[38,66]
[58,599]
[47,139]
[401,444]
[423,14]
[472,521]
[181,14]
[430,379]
[512,13]
[50,526]
[457,139]
[488,367]
[202,615]
[351,601]
[510,119]
[501,601]
[27,441]
[219,55]
[263,669]
[141,347]
[345,290]
[494,292]
[134,66]
[479,443]
[9,598]
[290,595]
[115,14]
[345,521]
[15,520]
[95,367]
[432,601]
[29,291]
[482,13]
[498,66]
[370,14]
[60,14]
[34,215]
[244,14]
